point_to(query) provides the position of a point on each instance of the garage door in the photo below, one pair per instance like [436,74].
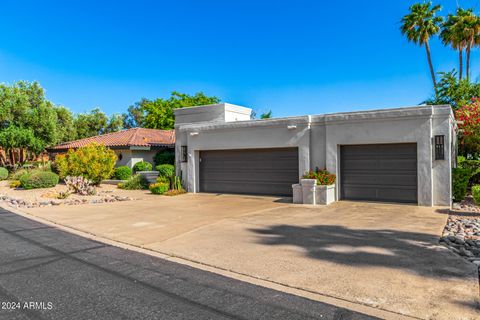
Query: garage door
[381,172]
[251,171]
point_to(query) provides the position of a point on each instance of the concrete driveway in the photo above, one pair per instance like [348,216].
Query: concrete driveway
[381,255]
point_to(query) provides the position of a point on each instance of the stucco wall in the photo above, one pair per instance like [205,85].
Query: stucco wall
[319,139]
[130,157]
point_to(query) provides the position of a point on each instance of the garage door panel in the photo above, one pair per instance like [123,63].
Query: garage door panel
[379,172]
[250,171]
[384,179]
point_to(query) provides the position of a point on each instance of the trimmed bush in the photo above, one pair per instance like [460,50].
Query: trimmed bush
[3,173]
[136,182]
[39,179]
[19,174]
[165,170]
[142,166]
[460,180]
[123,173]
[94,162]
[159,187]
[164,157]
[476,194]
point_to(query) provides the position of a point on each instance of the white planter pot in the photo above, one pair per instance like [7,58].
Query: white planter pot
[308,192]
[297,193]
[324,194]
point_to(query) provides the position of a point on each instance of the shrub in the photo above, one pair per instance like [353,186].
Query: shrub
[476,194]
[165,170]
[172,193]
[123,173]
[15,184]
[460,176]
[17,175]
[142,166]
[164,157]
[94,162]
[136,182]
[3,173]
[159,187]
[39,179]
[80,185]
[63,195]
[323,177]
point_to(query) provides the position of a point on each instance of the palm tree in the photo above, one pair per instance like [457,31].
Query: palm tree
[421,24]
[452,35]
[470,33]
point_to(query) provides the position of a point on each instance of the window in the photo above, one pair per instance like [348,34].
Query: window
[184,154]
[440,147]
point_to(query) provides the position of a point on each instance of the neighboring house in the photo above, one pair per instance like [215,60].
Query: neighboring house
[131,146]
[391,155]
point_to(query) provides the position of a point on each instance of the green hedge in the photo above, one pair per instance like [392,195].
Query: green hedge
[159,187]
[39,179]
[123,173]
[165,170]
[164,157]
[461,176]
[3,173]
[142,166]
[476,194]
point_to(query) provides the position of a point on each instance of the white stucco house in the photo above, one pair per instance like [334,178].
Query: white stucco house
[392,155]
[130,146]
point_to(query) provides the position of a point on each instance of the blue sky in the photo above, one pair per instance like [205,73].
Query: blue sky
[294,57]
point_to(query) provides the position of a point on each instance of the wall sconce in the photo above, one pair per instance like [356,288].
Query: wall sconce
[184,154]
[291,127]
[192,134]
[440,147]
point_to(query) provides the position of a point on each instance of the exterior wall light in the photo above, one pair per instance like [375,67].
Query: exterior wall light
[192,134]
[440,147]
[291,127]
[184,155]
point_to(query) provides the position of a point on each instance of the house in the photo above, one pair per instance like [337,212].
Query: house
[390,155]
[131,146]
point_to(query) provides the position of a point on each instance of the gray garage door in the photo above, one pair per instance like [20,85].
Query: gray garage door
[380,172]
[251,171]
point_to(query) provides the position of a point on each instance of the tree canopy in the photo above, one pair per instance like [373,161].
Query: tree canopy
[158,113]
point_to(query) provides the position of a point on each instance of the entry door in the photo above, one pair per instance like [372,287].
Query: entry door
[249,171]
[379,172]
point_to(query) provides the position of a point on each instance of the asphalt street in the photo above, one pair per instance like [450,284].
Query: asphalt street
[46,273]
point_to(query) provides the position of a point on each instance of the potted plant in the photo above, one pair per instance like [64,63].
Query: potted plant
[316,187]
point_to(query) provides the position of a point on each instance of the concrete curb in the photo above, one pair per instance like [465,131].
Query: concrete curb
[312,295]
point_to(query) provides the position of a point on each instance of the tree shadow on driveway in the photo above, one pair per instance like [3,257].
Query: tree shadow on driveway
[415,252]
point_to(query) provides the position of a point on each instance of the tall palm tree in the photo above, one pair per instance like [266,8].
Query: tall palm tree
[421,24]
[452,34]
[470,33]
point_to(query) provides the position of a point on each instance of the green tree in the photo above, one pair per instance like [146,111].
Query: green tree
[115,123]
[91,123]
[158,113]
[451,34]
[24,105]
[419,26]
[66,130]
[453,91]
[266,115]
[18,142]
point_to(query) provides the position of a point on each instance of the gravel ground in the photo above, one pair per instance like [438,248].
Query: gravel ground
[48,196]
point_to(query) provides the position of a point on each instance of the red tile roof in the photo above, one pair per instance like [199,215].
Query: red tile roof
[140,137]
